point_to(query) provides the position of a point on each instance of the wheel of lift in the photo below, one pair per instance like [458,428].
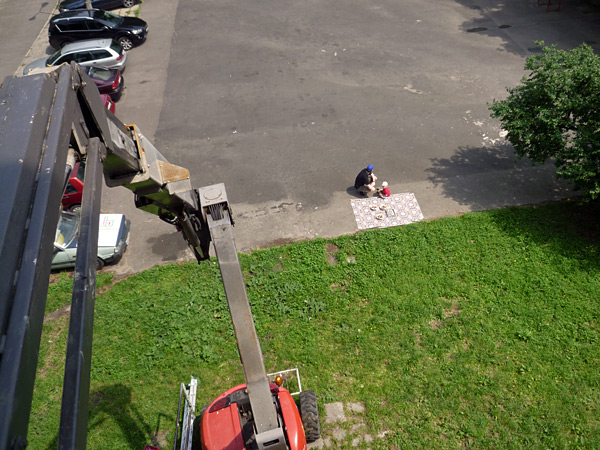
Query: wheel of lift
[309,412]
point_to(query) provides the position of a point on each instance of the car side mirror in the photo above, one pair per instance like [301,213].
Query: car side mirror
[60,247]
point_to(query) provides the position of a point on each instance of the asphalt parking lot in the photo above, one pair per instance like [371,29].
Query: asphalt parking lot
[285,103]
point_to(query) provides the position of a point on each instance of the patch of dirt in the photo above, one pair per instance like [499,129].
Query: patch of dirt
[435,324]
[159,439]
[332,250]
[55,275]
[57,314]
[279,242]
[418,339]
[453,311]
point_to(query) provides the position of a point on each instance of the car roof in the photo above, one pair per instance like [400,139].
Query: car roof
[86,45]
[75,13]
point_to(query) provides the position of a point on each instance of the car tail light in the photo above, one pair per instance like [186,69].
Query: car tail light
[117,81]
[120,57]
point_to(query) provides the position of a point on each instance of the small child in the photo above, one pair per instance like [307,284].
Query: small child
[384,191]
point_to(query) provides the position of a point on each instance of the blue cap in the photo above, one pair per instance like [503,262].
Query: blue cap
[370,167]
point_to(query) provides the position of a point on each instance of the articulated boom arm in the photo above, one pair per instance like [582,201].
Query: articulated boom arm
[269,433]
[48,121]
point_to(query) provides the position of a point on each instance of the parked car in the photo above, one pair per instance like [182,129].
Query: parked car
[83,24]
[108,103]
[93,52]
[108,81]
[113,237]
[100,4]
[71,200]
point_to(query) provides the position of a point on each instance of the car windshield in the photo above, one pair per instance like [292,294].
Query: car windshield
[116,47]
[113,19]
[68,225]
[52,59]
[99,73]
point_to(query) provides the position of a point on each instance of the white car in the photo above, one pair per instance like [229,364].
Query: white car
[113,237]
[95,53]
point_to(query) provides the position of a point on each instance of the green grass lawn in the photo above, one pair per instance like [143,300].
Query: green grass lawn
[478,331]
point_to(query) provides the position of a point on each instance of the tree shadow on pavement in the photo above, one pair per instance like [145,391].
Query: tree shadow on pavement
[42,13]
[491,177]
[518,23]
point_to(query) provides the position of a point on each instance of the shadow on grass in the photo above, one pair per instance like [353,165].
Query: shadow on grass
[115,401]
[491,177]
[569,228]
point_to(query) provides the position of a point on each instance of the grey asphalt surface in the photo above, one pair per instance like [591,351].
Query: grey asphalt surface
[285,103]
[20,24]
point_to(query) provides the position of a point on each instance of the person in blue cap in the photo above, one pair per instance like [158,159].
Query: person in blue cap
[365,181]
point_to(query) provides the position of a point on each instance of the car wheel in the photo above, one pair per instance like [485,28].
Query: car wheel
[128,3]
[99,263]
[75,209]
[309,412]
[126,43]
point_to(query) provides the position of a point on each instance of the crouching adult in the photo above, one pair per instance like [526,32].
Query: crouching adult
[365,181]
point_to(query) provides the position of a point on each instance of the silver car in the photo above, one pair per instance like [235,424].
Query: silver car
[113,237]
[93,52]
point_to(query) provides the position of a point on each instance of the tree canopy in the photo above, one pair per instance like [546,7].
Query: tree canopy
[555,114]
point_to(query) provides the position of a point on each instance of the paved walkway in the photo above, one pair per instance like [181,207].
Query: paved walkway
[344,426]
[434,138]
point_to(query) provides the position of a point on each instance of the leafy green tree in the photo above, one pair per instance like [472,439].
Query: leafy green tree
[555,114]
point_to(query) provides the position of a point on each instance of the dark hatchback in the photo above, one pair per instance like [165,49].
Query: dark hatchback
[68,5]
[108,81]
[83,24]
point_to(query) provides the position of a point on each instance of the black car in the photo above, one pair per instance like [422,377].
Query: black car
[71,26]
[68,5]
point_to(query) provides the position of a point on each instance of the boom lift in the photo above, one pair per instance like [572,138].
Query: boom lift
[48,122]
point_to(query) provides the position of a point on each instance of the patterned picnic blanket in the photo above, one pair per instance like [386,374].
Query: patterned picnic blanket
[398,209]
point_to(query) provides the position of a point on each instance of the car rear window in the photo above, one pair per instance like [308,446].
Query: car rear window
[116,47]
[99,73]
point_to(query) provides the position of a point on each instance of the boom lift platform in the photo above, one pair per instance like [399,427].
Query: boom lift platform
[48,122]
